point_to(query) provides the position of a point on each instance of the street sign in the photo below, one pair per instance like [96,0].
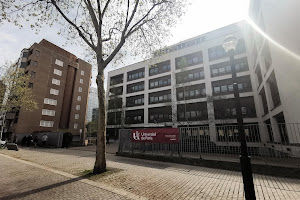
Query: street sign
[155,135]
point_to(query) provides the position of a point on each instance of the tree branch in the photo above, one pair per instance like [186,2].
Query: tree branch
[143,18]
[93,15]
[105,8]
[74,25]
[91,35]
[127,11]
[122,40]
[99,18]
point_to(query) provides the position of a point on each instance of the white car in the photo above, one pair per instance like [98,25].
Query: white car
[2,143]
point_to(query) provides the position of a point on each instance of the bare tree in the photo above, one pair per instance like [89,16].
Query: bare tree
[104,26]
[117,107]
[183,64]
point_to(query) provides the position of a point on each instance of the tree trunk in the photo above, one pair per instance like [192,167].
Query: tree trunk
[100,163]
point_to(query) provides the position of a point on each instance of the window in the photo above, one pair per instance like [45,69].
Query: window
[160,82]
[115,103]
[76,116]
[159,97]
[46,123]
[134,116]
[82,73]
[224,88]
[79,98]
[77,107]
[215,72]
[54,91]
[191,92]
[80,89]
[274,90]
[35,63]
[59,63]
[114,80]
[30,85]
[160,68]
[50,101]
[55,81]
[230,88]
[240,86]
[57,72]
[224,68]
[189,60]
[136,74]
[81,81]
[258,74]
[32,74]
[193,111]
[191,75]
[48,112]
[75,126]
[240,47]
[267,56]
[135,87]
[225,108]
[37,53]
[217,52]
[244,110]
[233,111]
[217,89]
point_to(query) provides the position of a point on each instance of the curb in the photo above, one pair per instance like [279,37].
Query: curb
[87,181]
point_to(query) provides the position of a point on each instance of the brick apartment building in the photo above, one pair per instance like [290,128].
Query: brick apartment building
[60,83]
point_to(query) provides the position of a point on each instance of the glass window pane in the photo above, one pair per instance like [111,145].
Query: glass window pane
[192,93]
[215,72]
[244,110]
[240,86]
[233,111]
[224,88]
[202,74]
[217,89]
[195,60]
[180,95]
[222,70]
[228,68]
[196,75]
[193,113]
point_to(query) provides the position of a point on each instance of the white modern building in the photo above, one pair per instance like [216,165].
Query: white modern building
[275,59]
[92,103]
[189,84]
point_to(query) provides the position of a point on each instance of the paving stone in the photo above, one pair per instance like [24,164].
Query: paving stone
[161,180]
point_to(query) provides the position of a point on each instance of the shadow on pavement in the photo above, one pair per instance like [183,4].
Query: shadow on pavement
[38,190]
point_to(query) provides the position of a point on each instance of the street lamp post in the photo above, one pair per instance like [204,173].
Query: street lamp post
[229,45]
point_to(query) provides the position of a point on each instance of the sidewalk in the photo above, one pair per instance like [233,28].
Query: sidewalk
[111,148]
[24,180]
[161,180]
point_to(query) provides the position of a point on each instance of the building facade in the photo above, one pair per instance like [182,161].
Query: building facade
[92,103]
[60,84]
[187,84]
[273,41]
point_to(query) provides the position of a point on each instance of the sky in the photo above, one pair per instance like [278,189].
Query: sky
[202,16]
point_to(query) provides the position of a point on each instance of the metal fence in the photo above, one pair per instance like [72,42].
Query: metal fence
[267,144]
